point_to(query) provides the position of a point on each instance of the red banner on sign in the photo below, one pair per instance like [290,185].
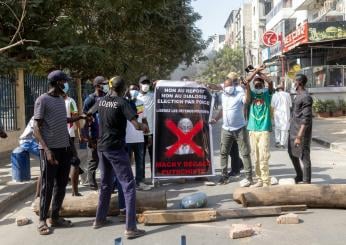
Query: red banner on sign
[297,37]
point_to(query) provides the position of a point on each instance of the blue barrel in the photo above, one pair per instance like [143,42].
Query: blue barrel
[20,165]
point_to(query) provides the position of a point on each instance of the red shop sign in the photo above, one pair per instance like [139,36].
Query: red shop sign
[296,38]
[270,38]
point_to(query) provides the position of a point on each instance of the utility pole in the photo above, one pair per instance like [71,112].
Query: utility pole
[244,50]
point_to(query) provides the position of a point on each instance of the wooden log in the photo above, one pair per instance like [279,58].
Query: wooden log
[85,206]
[312,195]
[175,216]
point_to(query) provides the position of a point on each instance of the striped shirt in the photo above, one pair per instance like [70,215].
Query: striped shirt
[51,110]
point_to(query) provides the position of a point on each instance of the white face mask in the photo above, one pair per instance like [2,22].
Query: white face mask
[145,88]
[66,88]
[105,88]
[134,94]
[259,91]
[230,90]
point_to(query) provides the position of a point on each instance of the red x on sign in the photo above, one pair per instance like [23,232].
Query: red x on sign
[184,138]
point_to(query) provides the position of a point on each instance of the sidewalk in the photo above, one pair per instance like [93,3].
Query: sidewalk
[330,132]
[13,192]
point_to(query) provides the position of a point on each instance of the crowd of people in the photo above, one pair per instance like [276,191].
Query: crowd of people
[117,124]
[247,109]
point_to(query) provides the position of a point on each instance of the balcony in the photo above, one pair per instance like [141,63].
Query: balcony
[325,76]
[282,10]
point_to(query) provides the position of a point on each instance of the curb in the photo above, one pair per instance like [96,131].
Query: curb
[321,141]
[24,191]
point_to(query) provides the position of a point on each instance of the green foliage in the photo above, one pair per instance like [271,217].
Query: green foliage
[319,106]
[108,37]
[330,106]
[342,104]
[225,61]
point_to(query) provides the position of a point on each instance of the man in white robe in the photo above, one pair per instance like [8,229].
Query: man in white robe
[281,103]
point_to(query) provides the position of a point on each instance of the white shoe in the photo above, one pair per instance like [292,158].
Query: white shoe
[245,183]
[273,181]
[144,187]
[257,185]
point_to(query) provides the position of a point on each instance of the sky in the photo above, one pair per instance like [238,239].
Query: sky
[214,14]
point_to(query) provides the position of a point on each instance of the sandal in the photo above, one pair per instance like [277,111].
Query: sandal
[99,224]
[77,194]
[61,223]
[43,229]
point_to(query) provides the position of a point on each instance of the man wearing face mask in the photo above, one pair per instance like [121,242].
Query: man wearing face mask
[51,132]
[147,97]
[90,131]
[71,110]
[259,126]
[234,127]
[135,138]
[299,140]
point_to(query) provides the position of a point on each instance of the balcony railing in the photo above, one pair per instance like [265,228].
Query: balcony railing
[325,76]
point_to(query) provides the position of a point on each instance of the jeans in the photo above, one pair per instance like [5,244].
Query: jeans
[138,150]
[93,162]
[236,162]
[118,162]
[150,150]
[242,138]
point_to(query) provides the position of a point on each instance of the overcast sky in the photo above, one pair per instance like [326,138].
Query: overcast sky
[214,14]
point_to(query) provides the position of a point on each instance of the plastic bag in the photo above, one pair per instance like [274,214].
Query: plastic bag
[196,200]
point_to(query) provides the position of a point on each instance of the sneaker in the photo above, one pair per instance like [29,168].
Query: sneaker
[257,185]
[282,147]
[245,183]
[144,187]
[223,180]
[131,234]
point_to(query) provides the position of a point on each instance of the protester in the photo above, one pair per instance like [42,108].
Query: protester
[147,97]
[90,132]
[234,127]
[281,103]
[2,131]
[71,110]
[300,131]
[135,138]
[51,132]
[259,126]
[114,111]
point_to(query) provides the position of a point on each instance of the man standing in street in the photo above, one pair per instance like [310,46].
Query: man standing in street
[300,131]
[114,112]
[51,132]
[147,97]
[234,127]
[259,127]
[91,130]
[281,103]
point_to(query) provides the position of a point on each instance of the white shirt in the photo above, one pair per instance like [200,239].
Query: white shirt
[28,133]
[233,110]
[148,100]
[132,134]
[71,109]
[281,102]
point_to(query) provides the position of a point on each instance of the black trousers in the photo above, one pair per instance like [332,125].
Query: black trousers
[54,179]
[93,163]
[236,162]
[150,150]
[303,174]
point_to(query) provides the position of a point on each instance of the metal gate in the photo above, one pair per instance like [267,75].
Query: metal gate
[8,107]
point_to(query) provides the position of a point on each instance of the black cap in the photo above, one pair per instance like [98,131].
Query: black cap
[58,75]
[144,79]
[99,80]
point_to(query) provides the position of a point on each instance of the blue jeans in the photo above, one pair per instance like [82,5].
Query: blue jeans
[138,150]
[121,198]
[30,146]
[118,162]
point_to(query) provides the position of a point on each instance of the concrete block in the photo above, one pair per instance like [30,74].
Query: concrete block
[21,220]
[290,218]
[241,230]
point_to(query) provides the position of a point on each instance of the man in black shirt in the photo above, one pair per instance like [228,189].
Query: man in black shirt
[300,131]
[114,111]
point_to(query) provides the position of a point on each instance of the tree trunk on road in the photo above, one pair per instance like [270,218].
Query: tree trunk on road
[85,206]
[312,195]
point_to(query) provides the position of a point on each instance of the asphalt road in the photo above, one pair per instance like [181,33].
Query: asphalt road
[318,226]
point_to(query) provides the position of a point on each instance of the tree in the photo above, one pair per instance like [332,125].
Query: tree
[225,61]
[108,37]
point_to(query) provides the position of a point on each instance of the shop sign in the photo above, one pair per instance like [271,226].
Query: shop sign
[270,38]
[323,31]
[296,38]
